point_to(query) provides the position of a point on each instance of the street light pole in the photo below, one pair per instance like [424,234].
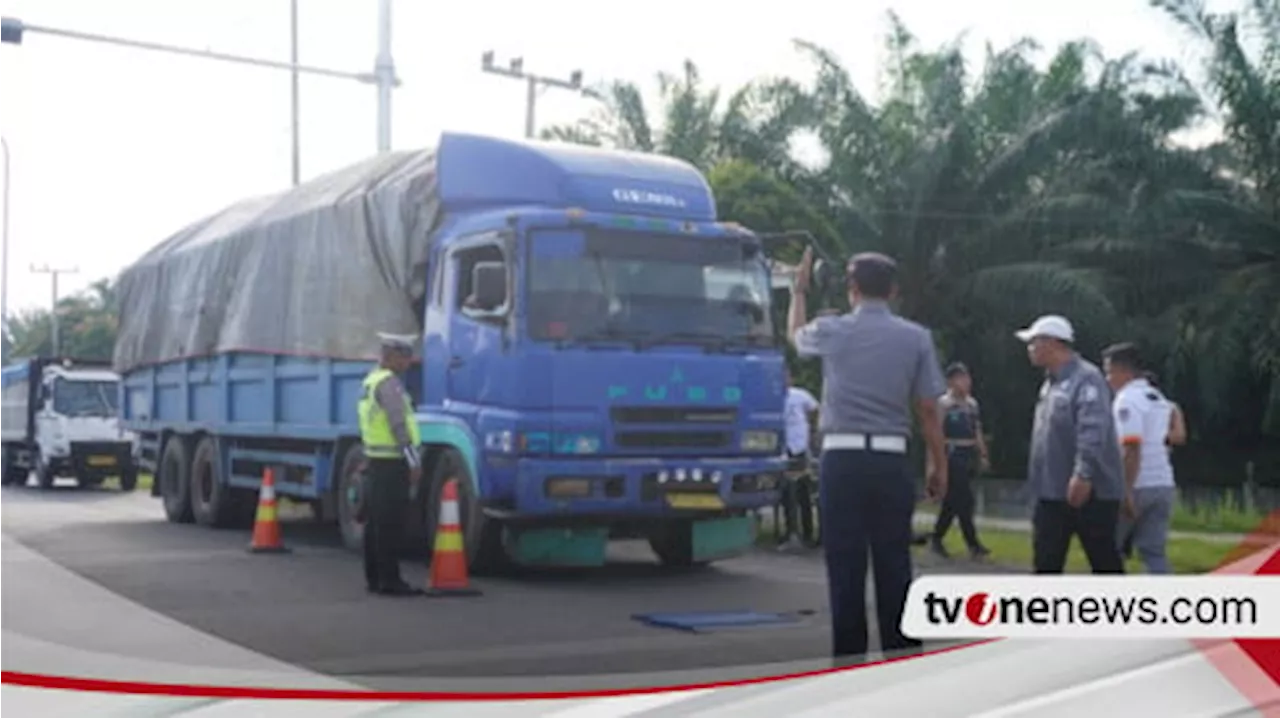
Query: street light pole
[515,71]
[383,77]
[4,290]
[53,309]
[293,93]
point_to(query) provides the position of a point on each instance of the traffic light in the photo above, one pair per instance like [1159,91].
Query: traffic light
[11,30]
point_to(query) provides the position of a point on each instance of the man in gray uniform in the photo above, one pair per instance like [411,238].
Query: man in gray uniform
[1074,467]
[875,367]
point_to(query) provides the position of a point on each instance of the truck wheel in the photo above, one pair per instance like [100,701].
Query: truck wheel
[212,501]
[349,497]
[9,475]
[673,542]
[482,537]
[174,477]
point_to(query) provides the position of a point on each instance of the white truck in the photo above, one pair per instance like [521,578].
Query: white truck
[61,419]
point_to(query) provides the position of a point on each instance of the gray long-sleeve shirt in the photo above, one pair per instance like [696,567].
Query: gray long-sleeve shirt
[390,396]
[1075,435]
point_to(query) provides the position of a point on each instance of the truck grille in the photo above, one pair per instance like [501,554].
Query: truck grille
[673,415]
[673,439]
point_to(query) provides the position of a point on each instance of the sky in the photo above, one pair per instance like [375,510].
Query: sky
[113,149]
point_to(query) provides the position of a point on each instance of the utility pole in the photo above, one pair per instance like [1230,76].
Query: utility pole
[293,92]
[53,309]
[515,70]
[12,31]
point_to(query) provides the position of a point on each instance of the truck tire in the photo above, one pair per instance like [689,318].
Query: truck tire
[349,497]
[213,502]
[129,478]
[482,536]
[672,541]
[174,476]
[10,471]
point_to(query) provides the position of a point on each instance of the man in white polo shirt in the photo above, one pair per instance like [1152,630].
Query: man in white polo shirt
[797,492]
[1142,417]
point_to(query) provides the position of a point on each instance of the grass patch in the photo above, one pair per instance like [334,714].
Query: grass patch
[1013,548]
[144,483]
[1230,516]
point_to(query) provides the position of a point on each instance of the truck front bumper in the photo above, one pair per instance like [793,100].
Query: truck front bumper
[591,490]
[90,460]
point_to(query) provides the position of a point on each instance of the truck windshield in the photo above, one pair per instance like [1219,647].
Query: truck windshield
[627,285]
[84,398]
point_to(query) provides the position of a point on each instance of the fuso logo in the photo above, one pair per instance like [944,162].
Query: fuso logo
[980,609]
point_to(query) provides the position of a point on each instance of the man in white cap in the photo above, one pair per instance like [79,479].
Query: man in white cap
[1074,467]
[391,441]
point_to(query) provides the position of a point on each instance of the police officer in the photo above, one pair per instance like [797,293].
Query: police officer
[966,454]
[1074,467]
[875,366]
[390,437]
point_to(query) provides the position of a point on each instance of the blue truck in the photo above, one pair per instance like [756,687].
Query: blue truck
[599,353]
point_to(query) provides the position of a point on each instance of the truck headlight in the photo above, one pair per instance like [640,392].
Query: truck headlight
[500,441]
[761,441]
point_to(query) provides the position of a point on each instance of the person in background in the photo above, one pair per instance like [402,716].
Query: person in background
[1074,466]
[1142,416]
[966,456]
[876,368]
[797,491]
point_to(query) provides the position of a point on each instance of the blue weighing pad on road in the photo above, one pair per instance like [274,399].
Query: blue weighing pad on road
[711,620]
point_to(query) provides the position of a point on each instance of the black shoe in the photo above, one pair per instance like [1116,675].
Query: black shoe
[401,589]
[978,553]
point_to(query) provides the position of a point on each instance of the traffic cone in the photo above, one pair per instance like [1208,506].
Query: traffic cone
[266,525]
[449,558]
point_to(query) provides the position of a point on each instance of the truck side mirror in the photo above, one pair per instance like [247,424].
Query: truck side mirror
[489,282]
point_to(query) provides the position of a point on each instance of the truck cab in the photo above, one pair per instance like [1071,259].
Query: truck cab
[62,420]
[609,345]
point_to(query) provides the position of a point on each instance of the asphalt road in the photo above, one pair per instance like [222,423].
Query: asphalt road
[309,607]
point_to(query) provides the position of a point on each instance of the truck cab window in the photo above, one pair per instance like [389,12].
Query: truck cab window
[466,298]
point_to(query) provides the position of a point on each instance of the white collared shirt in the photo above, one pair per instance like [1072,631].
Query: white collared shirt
[800,404]
[1142,416]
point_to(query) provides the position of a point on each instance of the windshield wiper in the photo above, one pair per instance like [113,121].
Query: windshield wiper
[607,333]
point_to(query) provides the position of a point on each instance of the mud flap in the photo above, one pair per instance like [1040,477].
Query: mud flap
[715,539]
[569,547]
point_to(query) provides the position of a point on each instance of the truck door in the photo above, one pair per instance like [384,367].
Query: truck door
[478,368]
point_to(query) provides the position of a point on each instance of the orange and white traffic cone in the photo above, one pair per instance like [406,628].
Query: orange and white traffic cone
[449,558]
[266,525]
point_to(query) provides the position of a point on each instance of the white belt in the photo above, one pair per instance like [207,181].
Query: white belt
[861,442]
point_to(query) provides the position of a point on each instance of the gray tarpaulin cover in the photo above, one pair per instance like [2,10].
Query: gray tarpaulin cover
[316,270]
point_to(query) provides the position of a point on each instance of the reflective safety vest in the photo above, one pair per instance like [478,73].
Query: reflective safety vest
[375,429]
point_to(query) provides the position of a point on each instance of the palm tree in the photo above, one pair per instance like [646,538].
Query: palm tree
[1231,340]
[755,123]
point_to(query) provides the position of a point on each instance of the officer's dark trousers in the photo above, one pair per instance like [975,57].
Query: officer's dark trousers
[1055,522]
[797,502]
[958,503]
[387,499]
[867,501]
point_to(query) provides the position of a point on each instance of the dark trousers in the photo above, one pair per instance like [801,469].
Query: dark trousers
[797,499]
[387,499]
[867,502]
[1055,522]
[958,503]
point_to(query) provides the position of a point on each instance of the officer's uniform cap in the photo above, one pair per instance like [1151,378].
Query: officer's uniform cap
[397,342]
